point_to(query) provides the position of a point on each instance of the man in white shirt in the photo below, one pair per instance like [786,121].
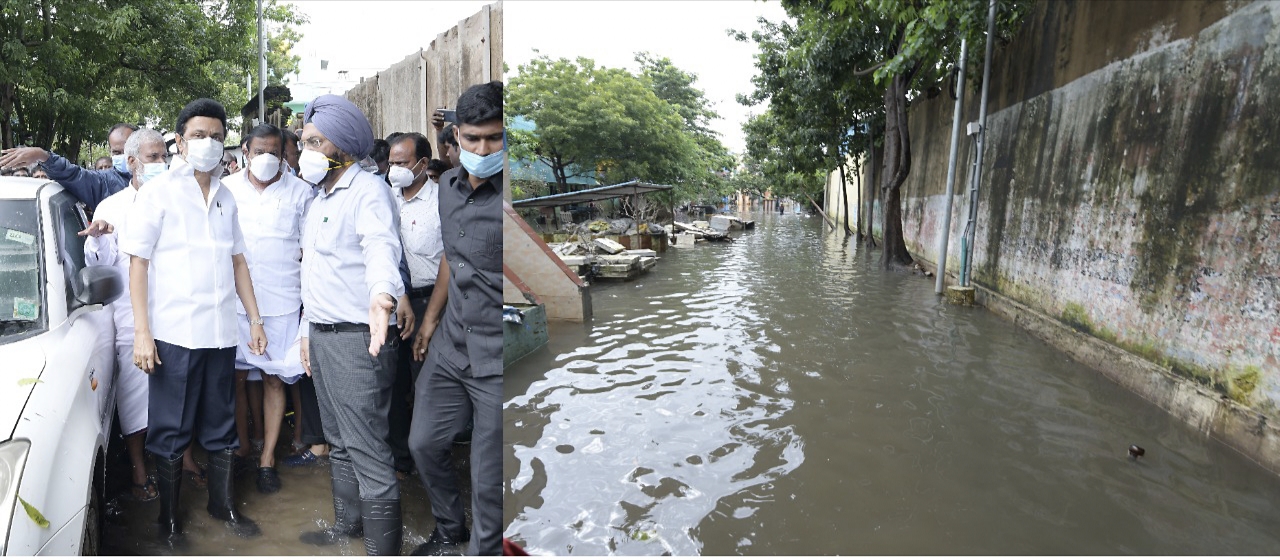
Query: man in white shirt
[183,229]
[270,205]
[417,197]
[145,153]
[350,285]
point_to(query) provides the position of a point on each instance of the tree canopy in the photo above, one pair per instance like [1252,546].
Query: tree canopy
[849,66]
[69,69]
[617,126]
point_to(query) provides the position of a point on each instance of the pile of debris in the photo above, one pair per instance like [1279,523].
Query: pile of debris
[605,258]
[699,230]
[621,226]
[597,257]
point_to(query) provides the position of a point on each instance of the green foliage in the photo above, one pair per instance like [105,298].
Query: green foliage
[819,113]
[69,69]
[854,65]
[616,126]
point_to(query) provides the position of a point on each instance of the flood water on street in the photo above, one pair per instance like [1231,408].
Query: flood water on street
[304,503]
[784,395]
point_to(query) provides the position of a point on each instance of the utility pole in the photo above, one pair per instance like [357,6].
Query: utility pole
[262,68]
[976,179]
[951,170]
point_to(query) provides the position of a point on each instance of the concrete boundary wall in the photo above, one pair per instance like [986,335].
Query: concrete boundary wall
[1130,200]
[402,97]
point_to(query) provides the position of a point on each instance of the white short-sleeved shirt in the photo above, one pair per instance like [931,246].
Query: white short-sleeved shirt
[420,233]
[105,251]
[189,243]
[271,221]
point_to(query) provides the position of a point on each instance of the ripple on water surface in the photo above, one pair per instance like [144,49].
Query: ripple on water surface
[782,394]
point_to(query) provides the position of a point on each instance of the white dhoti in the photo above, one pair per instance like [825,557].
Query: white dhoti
[281,358]
[131,393]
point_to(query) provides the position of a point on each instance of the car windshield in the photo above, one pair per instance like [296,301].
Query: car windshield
[21,306]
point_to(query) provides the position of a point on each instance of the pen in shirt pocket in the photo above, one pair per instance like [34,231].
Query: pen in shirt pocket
[219,208]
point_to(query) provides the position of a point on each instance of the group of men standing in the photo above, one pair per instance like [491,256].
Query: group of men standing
[324,274]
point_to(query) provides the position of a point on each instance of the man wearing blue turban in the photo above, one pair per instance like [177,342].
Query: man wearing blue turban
[350,285]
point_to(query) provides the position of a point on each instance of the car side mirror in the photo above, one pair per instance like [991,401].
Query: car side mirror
[99,284]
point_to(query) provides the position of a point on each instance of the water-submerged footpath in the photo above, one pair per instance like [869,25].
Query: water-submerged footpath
[1128,212]
[782,394]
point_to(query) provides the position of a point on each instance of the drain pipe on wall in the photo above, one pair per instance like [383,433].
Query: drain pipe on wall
[975,179]
[951,171]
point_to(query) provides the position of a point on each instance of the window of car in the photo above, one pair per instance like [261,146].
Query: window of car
[22,308]
[68,221]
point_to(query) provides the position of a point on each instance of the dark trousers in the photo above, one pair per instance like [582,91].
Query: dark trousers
[402,392]
[446,399]
[189,388]
[309,412]
[354,391]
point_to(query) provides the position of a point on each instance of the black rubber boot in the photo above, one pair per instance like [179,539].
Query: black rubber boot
[346,507]
[440,544]
[222,504]
[382,527]
[169,484]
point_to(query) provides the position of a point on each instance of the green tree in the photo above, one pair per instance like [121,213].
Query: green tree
[712,160]
[873,56]
[69,69]
[601,122]
[816,112]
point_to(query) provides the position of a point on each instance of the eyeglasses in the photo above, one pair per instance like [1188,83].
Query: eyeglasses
[315,142]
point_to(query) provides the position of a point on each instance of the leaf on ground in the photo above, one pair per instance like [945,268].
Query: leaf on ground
[34,514]
[28,381]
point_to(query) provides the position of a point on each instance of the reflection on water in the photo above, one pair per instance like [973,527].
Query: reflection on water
[783,395]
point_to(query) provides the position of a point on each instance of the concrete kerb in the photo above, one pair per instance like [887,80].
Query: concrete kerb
[1211,413]
[1244,430]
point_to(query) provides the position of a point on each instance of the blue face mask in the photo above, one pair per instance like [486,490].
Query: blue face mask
[121,163]
[482,166]
[151,170]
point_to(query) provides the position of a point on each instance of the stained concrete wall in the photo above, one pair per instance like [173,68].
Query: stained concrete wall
[1130,187]
[403,97]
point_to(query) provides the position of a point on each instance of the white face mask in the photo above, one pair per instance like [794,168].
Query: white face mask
[264,167]
[314,166]
[401,177]
[204,154]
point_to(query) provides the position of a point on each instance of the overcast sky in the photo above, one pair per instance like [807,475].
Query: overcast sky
[691,34]
[370,35]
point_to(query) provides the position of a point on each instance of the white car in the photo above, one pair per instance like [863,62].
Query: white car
[57,364]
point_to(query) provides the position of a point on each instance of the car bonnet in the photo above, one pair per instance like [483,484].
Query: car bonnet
[21,364]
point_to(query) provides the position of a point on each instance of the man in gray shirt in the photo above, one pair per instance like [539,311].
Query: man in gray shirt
[462,376]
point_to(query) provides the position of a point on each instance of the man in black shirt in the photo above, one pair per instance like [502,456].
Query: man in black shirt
[462,376]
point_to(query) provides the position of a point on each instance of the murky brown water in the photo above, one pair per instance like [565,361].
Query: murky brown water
[305,503]
[783,395]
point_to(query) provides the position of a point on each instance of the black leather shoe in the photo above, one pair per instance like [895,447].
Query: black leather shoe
[439,544]
[268,480]
[222,505]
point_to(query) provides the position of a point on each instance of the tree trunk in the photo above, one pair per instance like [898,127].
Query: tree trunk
[7,91]
[897,164]
[844,190]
